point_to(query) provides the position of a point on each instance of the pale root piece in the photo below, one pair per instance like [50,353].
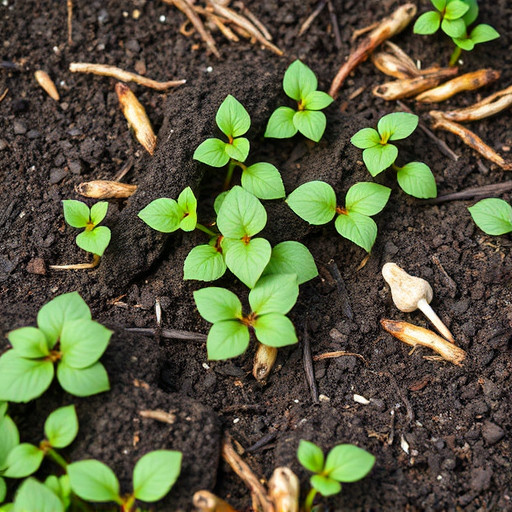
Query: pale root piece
[418,336]
[79,266]
[284,490]
[470,138]
[103,189]
[136,116]
[466,82]
[264,360]
[205,501]
[70,21]
[411,293]
[390,26]
[159,415]
[122,75]
[46,83]
[392,66]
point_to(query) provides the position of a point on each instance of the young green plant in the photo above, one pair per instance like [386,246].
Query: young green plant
[66,336]
[9,440]
[315,202]
[35,496]
[300,84]
[345,463]
[493,216]
[414,178]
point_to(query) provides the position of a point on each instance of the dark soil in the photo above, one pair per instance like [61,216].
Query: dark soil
[456,420]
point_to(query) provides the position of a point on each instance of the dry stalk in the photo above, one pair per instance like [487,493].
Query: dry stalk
[79,266]
[103,189]
[205,501]
[259,25]
[159,415]
[392,66]
[46,83]
[264,360]
[309,20]
[70,21]
[338,353]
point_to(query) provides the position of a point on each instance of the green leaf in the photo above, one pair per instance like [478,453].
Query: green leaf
[280,125]
[315,202]
[33,496]
[29,342]
[292,258]
[263,180]
[428,23]
[274,294]
[22,380]
[76,213]
[238,149]
[3,409]
[379,158]
[204,263]
[162,214]
[212,152]
[348,463]
[310,456]
[155,473]
[439,4]
[98,212]
[241,214]
[472,13]
[367,198]
[311,123]
[61,427]
[396,126]
[23,460]
[416,179]
[95,241]
[275,330]
[232,118]
[493,216]
[93,481]
[219,200]
[64,308]
[3,490]
[465,43]
[299,81]
[247,260]
[85,382]
[483,33]
[60,487]
[227,339]
[325,485]
[358,228]
[455,9]
[216,304]
[317,100]
[453,28]
[188,203]
[9,439]
[365,138]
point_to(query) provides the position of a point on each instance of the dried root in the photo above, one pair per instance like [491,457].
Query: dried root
[79,266]
[102,189]
[46,83]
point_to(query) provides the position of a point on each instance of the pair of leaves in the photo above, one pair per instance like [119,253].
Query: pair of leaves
[300,84]
[344,463]
[480,34]
[270,300]
[34,496]
[27,370]
[315,202]
[234,121]
[94,238]
[167,215]
[449,15]
[153,476]
[493,216]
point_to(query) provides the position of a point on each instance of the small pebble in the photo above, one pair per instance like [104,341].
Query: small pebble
[57,175]
[161,19]
[36,266]
[492,433]
[209,69]
[19,127]
[324,398]
[3,144]
[361,400]
[33,134]
[236,420]
[75,166]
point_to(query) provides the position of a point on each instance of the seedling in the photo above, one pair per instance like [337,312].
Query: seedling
[34,496]
[9,440]
[415,178]
[300,84]
[493,216]
[315,202]
[66,336]
[344,463]
[270,300]
[153,477]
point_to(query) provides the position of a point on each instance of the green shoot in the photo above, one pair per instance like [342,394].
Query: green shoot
[315,202]
[344,463]
[300,84]
[493,216]
[9,440]
[270,300]
[66,336]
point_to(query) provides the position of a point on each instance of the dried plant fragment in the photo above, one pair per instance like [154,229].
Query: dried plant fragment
[79,266]
[205,501]
[46,83]
[264,360]
[418,336]
[103,189]
[136,117]
[284,490]
[392,66]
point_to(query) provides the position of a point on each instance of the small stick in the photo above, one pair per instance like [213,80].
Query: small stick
[79,266]
[473,193]
[205,501]
[46,83]
[4,94]
[125,170]
[386,29]
[103,189]
[338,353]
[309,20]
[246,12]
[342,289]
[226,31]
[471,139]
[260,443]
[159,415]
[418,336]
[122,75]
[335,25]
[356,34]
[308,364]
[170,334]
[356,93]
[70,21]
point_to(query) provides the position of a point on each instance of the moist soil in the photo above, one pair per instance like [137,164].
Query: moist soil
[439,432]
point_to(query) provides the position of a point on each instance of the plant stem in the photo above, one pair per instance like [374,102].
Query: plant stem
[204,229]
[395,167]
[56,458]
[308,504]
[229,175]
[455,56]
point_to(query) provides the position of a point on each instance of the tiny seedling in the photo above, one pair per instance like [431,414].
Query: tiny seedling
[270,300]
[9,440]
[315,202]
[66,336]
[415,178]
[345,463]
[154,475]
[35,496]
[493,216]
[300,84]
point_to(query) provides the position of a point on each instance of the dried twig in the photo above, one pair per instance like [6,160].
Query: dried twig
[124,170]
[472,193]
[342,289]
[171,334]
[159,415]
[103,189]
[338,353]
[309,20]
[260,443]
[252,17]
[308,364]
[335,25]
[4,94]
[70,21]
